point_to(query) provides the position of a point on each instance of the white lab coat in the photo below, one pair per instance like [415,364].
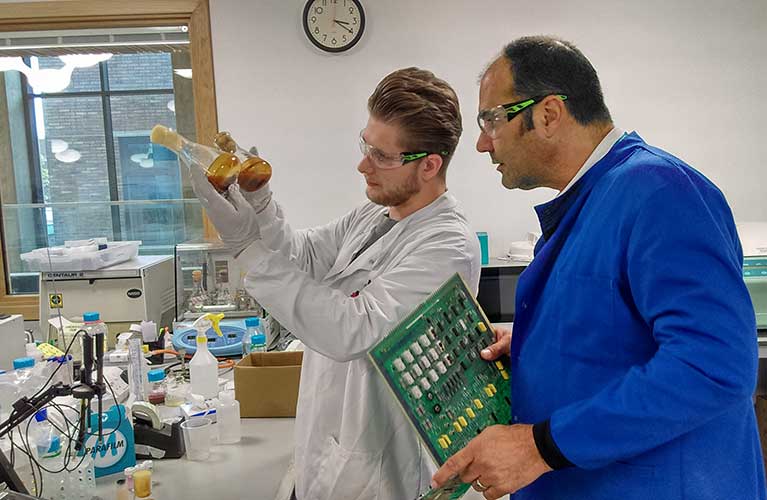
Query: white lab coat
[352,439]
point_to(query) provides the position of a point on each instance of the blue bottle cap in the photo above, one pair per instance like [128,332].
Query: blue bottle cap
[156,375]
[42,414]
[252,322]
[91,316]
[20,363]
[257,339]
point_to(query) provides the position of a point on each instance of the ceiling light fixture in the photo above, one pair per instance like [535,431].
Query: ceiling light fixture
[84,60]
[68,156]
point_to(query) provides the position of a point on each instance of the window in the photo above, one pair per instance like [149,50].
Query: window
[119,203]
[85,167]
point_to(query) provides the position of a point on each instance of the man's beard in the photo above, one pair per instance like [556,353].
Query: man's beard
[397,195]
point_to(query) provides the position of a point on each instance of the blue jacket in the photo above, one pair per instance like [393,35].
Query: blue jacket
[635,335]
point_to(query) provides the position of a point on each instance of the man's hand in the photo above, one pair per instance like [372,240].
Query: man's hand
[502,345]
[234,218]
[501,460]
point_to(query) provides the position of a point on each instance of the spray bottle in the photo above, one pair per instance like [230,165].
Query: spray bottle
[204,367]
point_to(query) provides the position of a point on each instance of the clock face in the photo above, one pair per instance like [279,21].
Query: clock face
[334,25]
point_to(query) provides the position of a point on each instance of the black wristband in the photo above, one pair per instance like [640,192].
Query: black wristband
[548,449]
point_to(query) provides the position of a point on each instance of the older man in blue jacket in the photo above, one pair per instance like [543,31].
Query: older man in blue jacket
[634,353]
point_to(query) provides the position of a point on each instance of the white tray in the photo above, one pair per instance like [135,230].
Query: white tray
[80,258]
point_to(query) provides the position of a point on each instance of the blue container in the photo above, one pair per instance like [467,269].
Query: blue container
[117,451]
[483,248]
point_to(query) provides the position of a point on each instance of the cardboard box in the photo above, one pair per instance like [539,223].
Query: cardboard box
[266,384]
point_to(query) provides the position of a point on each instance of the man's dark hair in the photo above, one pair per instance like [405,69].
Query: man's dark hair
[543,65]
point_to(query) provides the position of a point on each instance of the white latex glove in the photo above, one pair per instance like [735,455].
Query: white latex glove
[233,218]
[260,198]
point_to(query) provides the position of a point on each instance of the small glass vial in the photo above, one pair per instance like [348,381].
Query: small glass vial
[157,390]
[223,296]
[142,479]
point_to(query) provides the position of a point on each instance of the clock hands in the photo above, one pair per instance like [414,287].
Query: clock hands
[341,24]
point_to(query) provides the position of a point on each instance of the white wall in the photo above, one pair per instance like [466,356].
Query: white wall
[688,75]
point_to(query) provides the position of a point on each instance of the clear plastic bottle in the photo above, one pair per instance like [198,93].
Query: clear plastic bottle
[253,327]
[228,418]
[23,370]
[94,325]
[63,367]
[8,394]
[203,369]
[33,352]
[42,433]
[158,388]
[46,446]
[198,298]
[258,343]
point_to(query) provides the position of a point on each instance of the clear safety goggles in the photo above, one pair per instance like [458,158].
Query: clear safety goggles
[385,160]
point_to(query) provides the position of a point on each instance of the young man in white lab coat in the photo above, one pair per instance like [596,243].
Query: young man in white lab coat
[342,287]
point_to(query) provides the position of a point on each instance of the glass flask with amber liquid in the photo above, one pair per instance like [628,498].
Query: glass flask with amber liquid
[255,172]
[221,167]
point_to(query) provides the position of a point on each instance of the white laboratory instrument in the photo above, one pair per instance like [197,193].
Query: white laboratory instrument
[753,238]
[12,339]
[126,293]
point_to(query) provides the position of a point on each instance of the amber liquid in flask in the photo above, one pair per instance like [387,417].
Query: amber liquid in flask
[222,168]
[254,171]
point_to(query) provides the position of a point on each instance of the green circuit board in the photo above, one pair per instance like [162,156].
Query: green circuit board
[431,363]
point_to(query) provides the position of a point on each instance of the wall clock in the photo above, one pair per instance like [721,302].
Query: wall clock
[334,25]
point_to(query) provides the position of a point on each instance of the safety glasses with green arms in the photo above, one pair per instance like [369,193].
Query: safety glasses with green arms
[408,157]
[386,160]
[491,120]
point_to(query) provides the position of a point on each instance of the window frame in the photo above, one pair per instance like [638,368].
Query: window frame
[79,14]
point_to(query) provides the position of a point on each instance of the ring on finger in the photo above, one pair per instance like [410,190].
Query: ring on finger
[480,487]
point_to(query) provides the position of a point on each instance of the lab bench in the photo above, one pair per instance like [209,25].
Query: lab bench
[250,469]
